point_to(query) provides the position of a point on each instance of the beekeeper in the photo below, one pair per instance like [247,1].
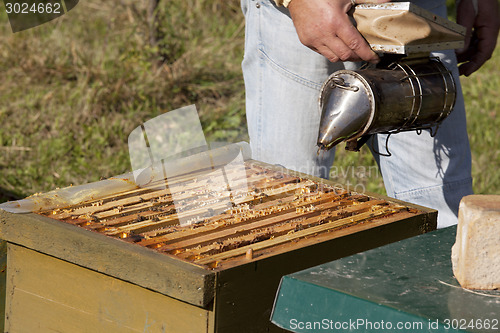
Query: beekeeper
[292,46]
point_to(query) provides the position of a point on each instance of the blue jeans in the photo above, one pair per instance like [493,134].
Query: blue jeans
[282,82]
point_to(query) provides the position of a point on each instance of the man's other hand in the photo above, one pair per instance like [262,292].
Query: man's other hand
[481,36]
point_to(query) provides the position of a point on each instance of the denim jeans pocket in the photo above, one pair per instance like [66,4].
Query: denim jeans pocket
[281,48]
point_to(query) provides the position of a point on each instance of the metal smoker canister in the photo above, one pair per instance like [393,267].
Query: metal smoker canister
[406,95]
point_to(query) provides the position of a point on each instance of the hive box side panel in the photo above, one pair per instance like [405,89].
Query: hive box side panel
[245,294]
[3,272]
[46,294]
[128,262]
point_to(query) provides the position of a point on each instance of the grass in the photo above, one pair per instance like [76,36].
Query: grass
[73,89]
[482,96]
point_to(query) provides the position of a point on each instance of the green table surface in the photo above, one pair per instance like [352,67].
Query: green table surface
[406,286]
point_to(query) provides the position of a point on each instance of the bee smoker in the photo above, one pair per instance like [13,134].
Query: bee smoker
[408,89]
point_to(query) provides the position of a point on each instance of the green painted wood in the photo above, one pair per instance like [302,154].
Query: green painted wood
[125,261]
[409,283]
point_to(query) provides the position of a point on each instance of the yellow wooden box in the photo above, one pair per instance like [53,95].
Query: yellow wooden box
[61,277]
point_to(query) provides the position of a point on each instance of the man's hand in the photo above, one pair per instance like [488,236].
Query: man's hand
[325,27]
[481,36]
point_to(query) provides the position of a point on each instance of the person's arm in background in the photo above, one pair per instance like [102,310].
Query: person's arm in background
[482,20]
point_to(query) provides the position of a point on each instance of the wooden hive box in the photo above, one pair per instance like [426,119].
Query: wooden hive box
[122,263]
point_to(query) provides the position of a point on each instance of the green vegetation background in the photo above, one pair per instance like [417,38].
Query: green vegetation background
[73,89]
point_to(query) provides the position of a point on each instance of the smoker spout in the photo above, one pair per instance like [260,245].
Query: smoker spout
[345,108]
[327,140]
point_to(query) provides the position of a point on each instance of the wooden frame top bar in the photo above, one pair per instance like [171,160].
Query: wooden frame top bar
[164,266]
